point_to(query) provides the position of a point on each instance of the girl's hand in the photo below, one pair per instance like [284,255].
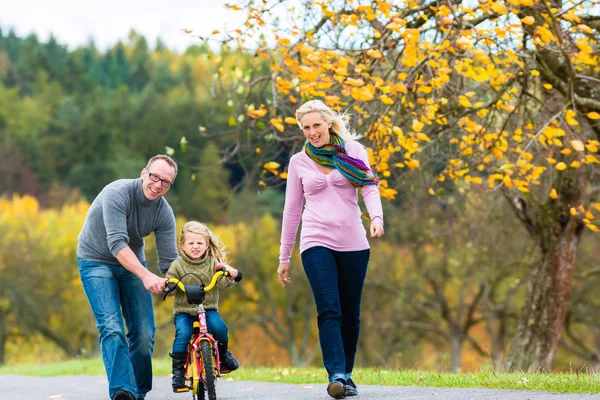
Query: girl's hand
[233,273]
[284,273]
[376,230]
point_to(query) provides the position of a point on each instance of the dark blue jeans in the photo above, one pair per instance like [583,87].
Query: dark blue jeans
[113,293]
[184,326]
[337,280]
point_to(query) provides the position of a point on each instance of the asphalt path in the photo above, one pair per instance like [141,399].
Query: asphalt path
[95,388]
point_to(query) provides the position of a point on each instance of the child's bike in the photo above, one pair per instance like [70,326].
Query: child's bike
[203,365]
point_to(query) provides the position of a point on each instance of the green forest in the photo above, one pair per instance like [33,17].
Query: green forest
[445,286]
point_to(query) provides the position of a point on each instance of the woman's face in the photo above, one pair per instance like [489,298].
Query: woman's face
[194,245]
[315,129]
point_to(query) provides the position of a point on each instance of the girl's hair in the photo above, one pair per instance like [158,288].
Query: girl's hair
[216,248]
[339,122]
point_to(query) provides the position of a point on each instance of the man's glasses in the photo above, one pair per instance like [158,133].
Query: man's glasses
[155,178]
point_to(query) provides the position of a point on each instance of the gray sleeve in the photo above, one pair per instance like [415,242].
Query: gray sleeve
[114,212]
[166,239]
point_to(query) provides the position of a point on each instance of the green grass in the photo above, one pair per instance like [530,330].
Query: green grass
[555,382]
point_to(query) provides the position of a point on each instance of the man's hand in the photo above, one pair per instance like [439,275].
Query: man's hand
[284,273]
[154,284]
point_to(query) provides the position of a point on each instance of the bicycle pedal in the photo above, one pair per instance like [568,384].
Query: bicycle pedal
[181,390]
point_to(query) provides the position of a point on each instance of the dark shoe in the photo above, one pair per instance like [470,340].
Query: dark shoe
[178,380]
[228,362]
[350,388]
[123,395]
[336,389]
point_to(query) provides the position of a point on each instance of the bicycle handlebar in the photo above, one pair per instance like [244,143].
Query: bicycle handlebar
[173,283]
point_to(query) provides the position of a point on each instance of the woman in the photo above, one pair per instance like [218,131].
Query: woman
[333,245]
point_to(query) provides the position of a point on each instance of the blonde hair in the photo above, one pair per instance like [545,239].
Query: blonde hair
[339,122]
[216,248]
[163,157]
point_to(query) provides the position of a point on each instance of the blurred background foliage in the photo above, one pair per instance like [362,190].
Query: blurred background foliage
[444,286]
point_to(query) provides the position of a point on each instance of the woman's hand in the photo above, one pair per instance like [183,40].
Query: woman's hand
[284,273]
[376,230]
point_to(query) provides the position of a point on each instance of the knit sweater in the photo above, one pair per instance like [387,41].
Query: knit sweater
[330,214]
[203,267]
[122,216]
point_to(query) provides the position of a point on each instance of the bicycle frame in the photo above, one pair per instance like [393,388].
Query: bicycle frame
[194,349]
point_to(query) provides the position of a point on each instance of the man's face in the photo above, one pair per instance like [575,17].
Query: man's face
[157,179]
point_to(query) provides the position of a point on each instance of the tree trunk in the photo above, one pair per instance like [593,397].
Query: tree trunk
[3,335]
[557,234]
[456,342]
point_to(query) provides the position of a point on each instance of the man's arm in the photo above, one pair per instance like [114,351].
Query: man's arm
[153,283]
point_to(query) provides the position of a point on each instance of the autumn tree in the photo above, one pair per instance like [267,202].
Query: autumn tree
[508,88]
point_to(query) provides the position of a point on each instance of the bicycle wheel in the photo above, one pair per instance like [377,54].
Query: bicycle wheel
[208,371]
[195,384]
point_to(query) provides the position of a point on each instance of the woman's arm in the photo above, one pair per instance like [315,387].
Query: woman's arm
[292,212]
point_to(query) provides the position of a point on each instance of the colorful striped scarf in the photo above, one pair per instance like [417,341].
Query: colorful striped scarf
[333,155]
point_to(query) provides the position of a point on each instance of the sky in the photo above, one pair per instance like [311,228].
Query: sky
[74,22]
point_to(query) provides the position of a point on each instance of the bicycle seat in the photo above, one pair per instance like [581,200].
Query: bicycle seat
[195,294]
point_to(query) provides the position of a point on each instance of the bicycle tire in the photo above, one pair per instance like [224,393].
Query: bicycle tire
[208,371]
[195,384]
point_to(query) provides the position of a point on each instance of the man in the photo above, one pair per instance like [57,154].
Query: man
[116,281]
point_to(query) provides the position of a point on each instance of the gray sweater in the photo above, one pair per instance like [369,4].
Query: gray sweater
[122,216]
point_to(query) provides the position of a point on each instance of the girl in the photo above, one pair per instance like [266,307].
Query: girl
[201,252]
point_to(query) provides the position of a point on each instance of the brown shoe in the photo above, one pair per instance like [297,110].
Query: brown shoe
[336,390]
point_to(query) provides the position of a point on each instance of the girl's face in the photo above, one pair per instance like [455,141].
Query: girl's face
[194,245]
[315,129]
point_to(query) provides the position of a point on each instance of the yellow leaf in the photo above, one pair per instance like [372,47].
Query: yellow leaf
[577,145]
[464,101]
[535,72]
[374,53]
[561,166]
[529,20]
[570,117]
[573,211]
[423,137]
[417,125]
[257,150]
[499,8]
[277,124]
[593,227]
[386,99]
[431,192]
[271,165]
[215,32]
[575,164]
[547,86]
[412,164]
[261,112]
[283,175]
[397,131]
[553,194]
[593,115]
[355,82]
[291,121]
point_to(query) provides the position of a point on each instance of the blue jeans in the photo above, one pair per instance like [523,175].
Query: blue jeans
[183,329]
[113,293]
[337,280]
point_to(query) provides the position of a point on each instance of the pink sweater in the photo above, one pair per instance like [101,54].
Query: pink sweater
[331,216]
